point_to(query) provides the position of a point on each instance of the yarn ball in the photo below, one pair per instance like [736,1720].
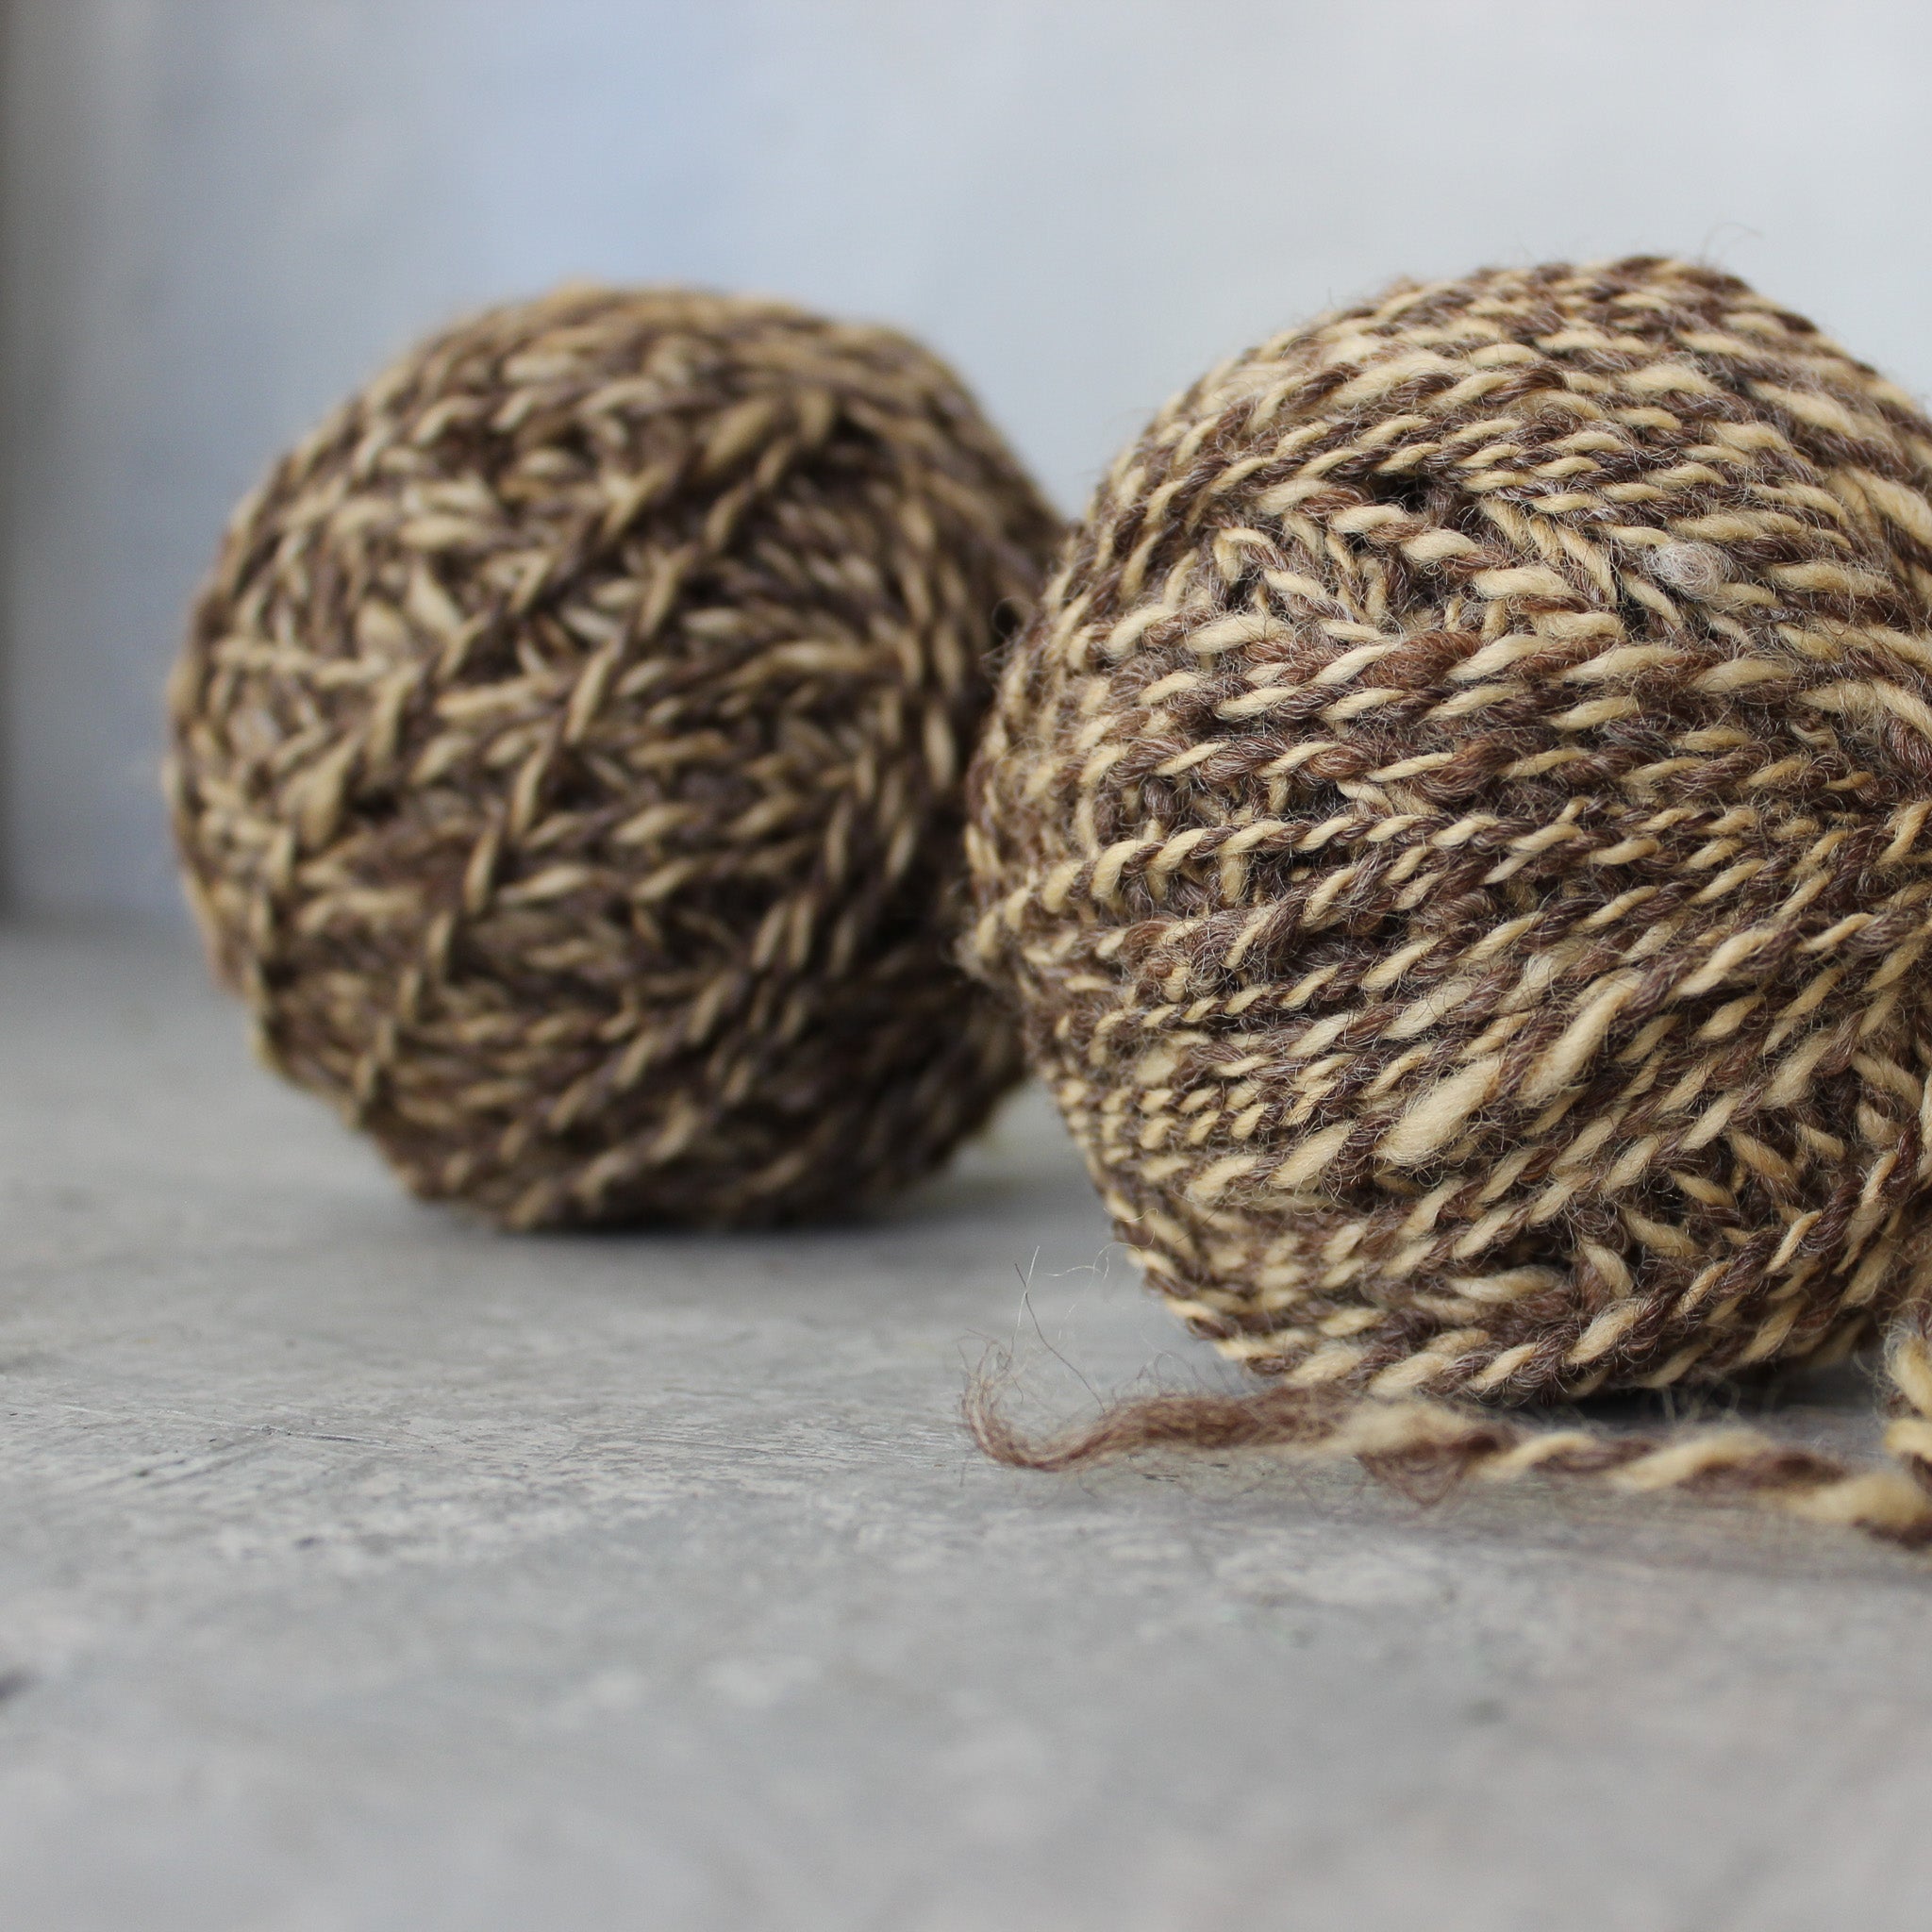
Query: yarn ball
[568,758]
[1457,833]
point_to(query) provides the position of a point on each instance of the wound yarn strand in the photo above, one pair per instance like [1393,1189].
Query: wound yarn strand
[1457,834]
[569,753]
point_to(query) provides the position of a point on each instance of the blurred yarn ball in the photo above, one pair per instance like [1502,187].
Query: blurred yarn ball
[568,752]
[1458,833]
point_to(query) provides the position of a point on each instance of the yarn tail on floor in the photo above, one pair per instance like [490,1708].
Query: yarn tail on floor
[1427,1447]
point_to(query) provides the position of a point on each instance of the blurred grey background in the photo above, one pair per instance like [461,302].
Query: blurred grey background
[221,214]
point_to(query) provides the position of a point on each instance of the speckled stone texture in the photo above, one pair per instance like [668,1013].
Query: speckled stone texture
[360,1568]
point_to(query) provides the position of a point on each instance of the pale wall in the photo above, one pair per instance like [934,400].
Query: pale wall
[222,214]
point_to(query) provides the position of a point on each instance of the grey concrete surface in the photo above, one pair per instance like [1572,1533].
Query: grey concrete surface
[360,1567]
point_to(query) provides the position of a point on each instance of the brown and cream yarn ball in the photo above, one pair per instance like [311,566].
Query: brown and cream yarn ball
[568,758]
[1459,832]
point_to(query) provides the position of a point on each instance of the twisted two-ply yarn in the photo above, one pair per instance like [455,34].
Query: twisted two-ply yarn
[1461,833]
[568,758]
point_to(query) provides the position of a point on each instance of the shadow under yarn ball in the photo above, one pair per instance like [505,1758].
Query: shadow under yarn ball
[568,753]
[1458,832]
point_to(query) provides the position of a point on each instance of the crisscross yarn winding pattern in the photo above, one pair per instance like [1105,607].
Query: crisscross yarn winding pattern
[568,758]
[1459,832]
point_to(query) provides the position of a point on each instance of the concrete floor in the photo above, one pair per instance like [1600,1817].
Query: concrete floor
[360,1567]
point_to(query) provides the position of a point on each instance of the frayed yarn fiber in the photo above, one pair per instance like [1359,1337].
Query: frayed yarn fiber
[568,756]
[1459,835]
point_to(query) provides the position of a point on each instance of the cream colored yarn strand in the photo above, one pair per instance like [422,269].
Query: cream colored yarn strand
[1424,1447]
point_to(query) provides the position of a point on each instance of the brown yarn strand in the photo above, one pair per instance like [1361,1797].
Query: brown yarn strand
[568,758]
[1457,833]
